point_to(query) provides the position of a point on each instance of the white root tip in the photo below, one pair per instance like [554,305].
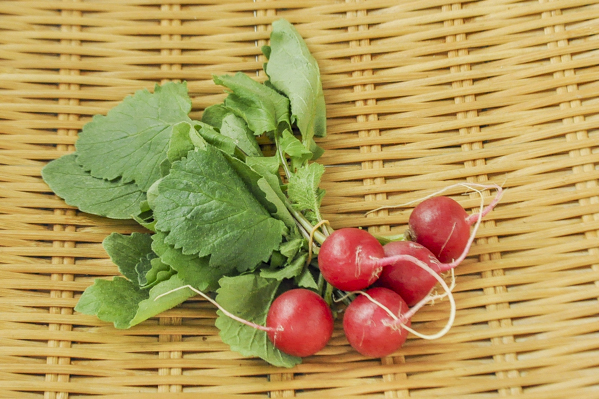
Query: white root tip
[469,186]
[447,293]
[225,311]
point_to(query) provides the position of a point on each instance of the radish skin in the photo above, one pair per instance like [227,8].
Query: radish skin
[404,276]
[300,322]
[368,322]
[346,258]
[443,226]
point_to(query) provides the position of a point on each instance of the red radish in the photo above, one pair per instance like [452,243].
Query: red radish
[300,322]
[440,224]
[443,226]
[369,328]
[376,324]
[404,276]
[348,259]
[435,217]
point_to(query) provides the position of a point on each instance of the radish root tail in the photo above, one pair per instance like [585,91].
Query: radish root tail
[400,320]
[469,186]
[479,218]
[225,312]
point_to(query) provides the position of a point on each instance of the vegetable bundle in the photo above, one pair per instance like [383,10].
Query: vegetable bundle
[222,218]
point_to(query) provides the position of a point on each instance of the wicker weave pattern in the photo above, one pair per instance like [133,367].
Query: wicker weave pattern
[420,95]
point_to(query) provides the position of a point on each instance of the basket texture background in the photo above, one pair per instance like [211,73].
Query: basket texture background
[420,95]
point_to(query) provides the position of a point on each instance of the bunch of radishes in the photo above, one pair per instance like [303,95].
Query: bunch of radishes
[398,278]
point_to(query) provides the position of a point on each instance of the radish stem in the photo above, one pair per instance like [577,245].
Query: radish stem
[318,236]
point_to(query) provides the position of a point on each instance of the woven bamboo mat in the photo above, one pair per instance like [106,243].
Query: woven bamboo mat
[420,95]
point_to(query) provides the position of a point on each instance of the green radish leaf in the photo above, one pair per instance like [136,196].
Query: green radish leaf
[316,150]
[277,260]
[237,130]
[262,108]
[113,199]
[211,136]
[153,306]
[249,297]
[146,216]
[164,167]
[266,189]
[291,146]
[292,70]
[152,271]
[142,268]
[292,268]
[304,191]
[131,141]
[292,247]
[113,301]
[191,269]
[270,166]
[294,255]
[266,50]
[206,209]
[306,280]
[232,126]
[123,303]
[180,142]
[126,251]
[214,115]
[152,194]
